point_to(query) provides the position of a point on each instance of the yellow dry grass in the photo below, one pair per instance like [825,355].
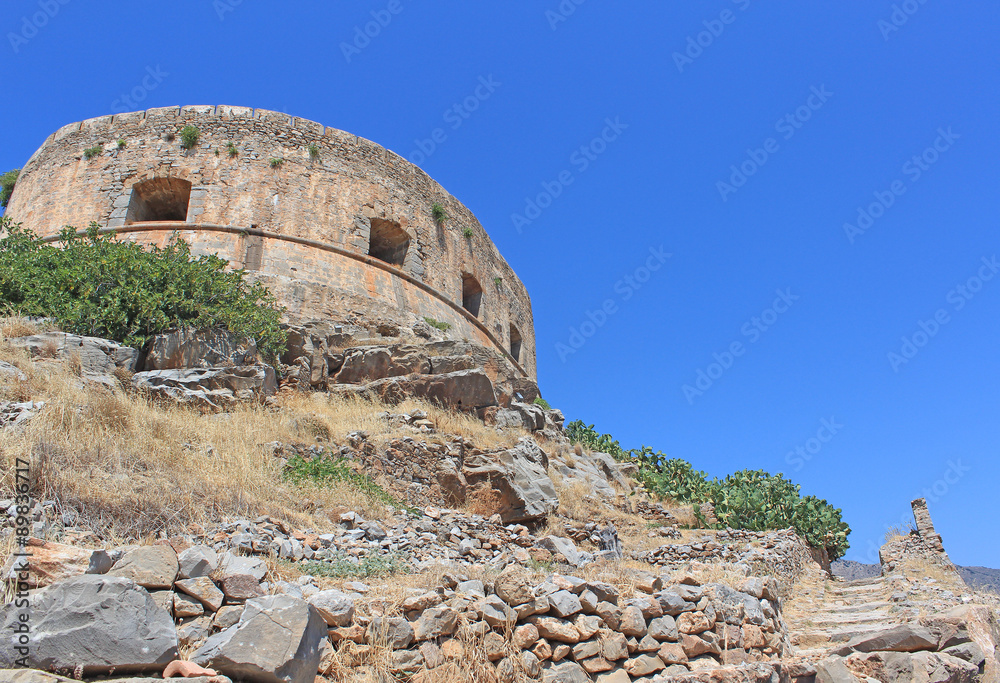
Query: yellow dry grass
[134,468]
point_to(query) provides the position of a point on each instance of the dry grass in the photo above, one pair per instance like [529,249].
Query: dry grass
[897,531]
[12,327]
[482,499]
[134,468]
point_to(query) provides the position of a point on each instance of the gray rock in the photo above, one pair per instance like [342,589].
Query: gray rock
[189,348]
[435,622]
[276,640]
[336,608]
[663,628]
[557,544]
[209,387]
[96,622]
[519,478]
[564,604]
[902,638]
[238,564]
[199,560]
[152,566]
[564,672]
[396,632]
[99,358]
[202,589]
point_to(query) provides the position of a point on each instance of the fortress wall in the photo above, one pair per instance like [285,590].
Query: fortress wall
[331,199]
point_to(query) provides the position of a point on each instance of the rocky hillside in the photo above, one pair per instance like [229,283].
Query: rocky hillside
[982,578]
[213,523]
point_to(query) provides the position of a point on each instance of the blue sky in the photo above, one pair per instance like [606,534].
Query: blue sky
[674,182]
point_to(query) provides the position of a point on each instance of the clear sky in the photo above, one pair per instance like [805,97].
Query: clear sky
[729,213]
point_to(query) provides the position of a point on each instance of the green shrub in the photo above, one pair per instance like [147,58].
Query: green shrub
[467,233]
[314,151]
[276,162]
[539,401]
[7,182]
[122,144]
[498,281]
[439,213]
[748,499]
[189,137]
[444,327]
[342,566]
[100,286]
[231,148]
[325,470]
[92,152]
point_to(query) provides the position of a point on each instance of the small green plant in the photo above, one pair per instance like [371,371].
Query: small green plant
[92,152]
[276,162]
[325,469]
[7,182]
[231,148]
[216,152]
[343,566]
[189,137]
[498,281]
[444,327]
[539,401]
[314,151]
[122,144]
[467,233]
[439,213]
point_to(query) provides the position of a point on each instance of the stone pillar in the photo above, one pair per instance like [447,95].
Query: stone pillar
[925,527]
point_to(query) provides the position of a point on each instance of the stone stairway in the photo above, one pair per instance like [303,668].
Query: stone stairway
[826,613]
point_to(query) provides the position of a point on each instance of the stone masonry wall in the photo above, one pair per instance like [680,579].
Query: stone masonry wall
[331,197]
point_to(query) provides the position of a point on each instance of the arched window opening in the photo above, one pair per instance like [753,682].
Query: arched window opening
[472,294]
[515,343]
[388,242]
[159,199]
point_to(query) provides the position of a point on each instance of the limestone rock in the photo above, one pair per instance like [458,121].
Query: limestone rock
[95,622]
[204,590]
[277,640]
[152,567]
[209,387]
[336,608]
[51,562]
[240,587]
[513,586]
[567,672]
[902,638]
[99,358]
[199,560]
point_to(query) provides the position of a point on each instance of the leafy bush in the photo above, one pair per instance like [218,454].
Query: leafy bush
[748,499]
[97,285]
[276,162]
[539,401]
[444,327]
[324,470]
[189,137]
[7,182]
[467,233]
[314,151]
[439,213]
[344,566]
[231,148]
[122,143]
[92,152]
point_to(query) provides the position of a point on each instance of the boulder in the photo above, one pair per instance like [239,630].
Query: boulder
[365,364]
[51,562]
[519,478]
[240,587]
[203,590]
[199,560]
[151,566]
[565,672]
[191,348]
[94,622]
[513,586]
[902,638]
[209,387]
[99,358]
[277,640]
[336,608]
[238,564]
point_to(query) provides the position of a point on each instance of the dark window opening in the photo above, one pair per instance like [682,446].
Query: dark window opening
[472,294]
[159,199]
[254,253]
[388,242]
[515,343]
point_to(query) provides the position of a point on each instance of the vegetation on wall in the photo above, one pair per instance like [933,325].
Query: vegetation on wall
[314,151]
[539,401]
[92,152]
[122,143]
[276,162]
[467,233]
[231,148]
[7,182]
[749,499]
[189,137]
[99,286]
[444,327]
[439,213]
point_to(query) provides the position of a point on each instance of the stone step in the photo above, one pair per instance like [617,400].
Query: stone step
[815,636]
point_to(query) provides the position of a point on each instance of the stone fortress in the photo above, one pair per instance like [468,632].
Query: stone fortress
[339,228]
